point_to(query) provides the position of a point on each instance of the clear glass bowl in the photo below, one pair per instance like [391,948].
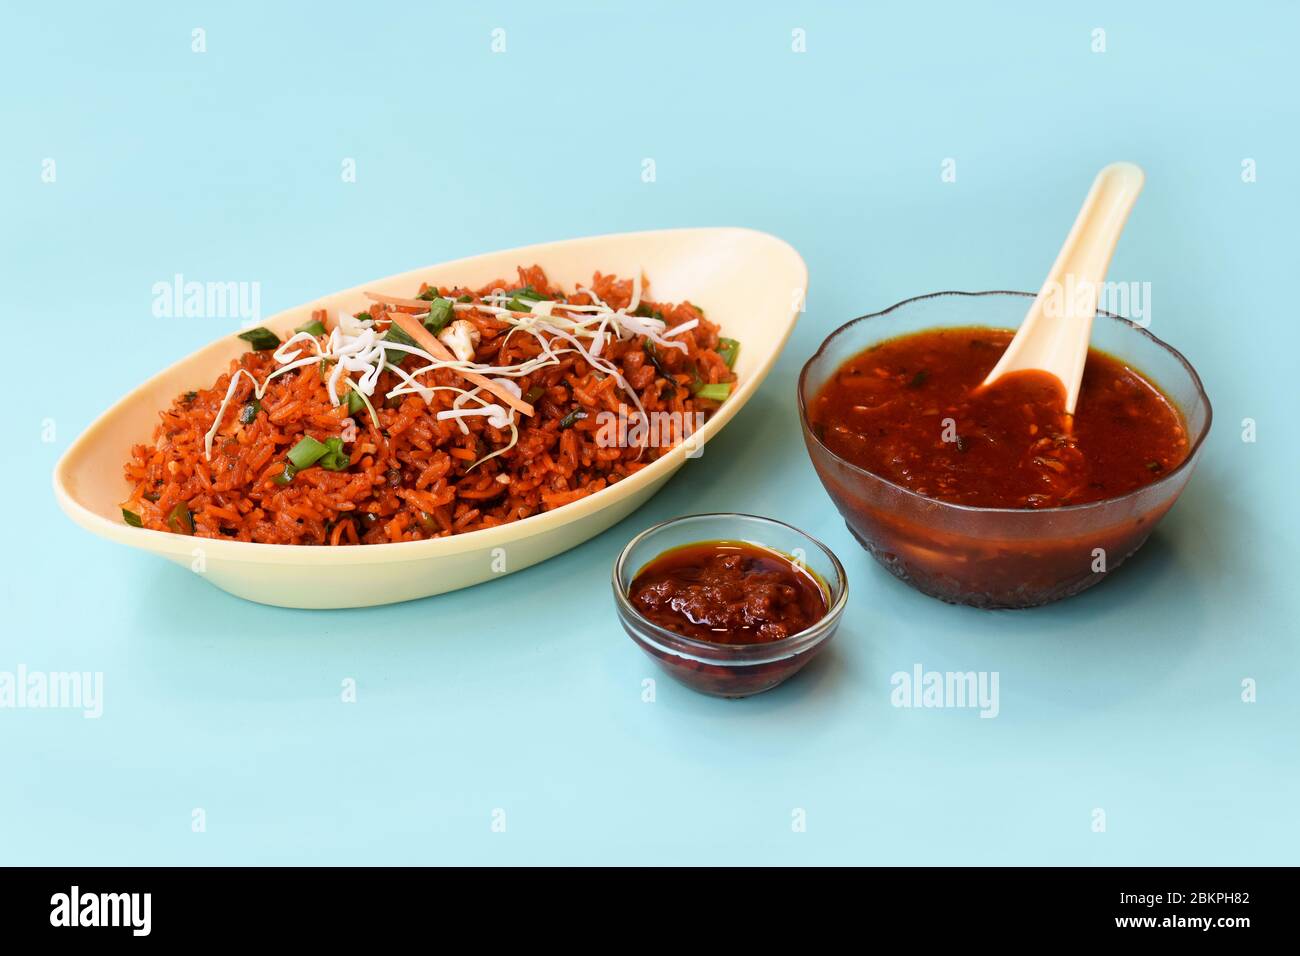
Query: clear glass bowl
[729,670]
[999,557]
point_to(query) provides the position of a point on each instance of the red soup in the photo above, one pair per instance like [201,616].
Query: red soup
[911,410]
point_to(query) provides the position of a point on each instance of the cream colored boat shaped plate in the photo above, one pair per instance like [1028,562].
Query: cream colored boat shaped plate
[751,283]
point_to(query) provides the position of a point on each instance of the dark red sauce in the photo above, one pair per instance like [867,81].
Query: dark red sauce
[911,411]
[728,592]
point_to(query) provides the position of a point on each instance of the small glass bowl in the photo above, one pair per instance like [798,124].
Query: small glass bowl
[999,557]
[729,670]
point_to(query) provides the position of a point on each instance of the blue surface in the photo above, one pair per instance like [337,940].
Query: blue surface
[523,694]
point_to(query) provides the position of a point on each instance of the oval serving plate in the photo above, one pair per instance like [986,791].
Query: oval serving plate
[748,282]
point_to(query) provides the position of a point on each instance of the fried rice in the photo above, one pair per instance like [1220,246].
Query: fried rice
[419,461]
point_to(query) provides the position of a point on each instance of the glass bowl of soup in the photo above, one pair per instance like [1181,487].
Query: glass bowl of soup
[992,497]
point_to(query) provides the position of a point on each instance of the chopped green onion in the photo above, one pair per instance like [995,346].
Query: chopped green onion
[179,518]
[715,393]
[397,334]
[429,294]
[328,454]
[355,402]
[356,390]
[335,458]
[466,298]
[571,419]
[440,313]
[315,327]
[533,394]
[521,300]
[696,308]
[645,312]
[363,316]
[306,453]
[261,339]
[131,518]
[248,414]
[729,349]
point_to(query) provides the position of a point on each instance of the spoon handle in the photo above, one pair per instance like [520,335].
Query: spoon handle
[1054,334]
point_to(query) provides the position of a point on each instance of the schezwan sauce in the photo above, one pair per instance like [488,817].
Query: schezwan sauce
[728,592]
[911,410]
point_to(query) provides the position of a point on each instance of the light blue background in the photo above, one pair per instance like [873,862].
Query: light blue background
[523,694]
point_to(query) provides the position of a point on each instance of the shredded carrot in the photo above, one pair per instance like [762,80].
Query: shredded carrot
[419,305]
[435,348]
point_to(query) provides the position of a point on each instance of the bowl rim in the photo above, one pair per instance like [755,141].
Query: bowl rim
[727,655]
[1187,463]
[510,533]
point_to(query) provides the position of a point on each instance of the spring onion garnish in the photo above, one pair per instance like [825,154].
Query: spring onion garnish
[286,476]
[429,294]
[441,312]
[533,394]
[131,518]
[571,419]
[356,390]
[261,340]
[314,327]
[521,300]
[465,298]
[729,349]
[397,334]
[355,402]
[714,393]
[179,519]
[306,453]
[335,458]
[248,414]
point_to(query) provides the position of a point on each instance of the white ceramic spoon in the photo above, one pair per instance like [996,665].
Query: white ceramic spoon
[1054,335]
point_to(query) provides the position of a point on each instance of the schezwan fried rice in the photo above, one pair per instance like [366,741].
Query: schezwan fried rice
[353,431]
